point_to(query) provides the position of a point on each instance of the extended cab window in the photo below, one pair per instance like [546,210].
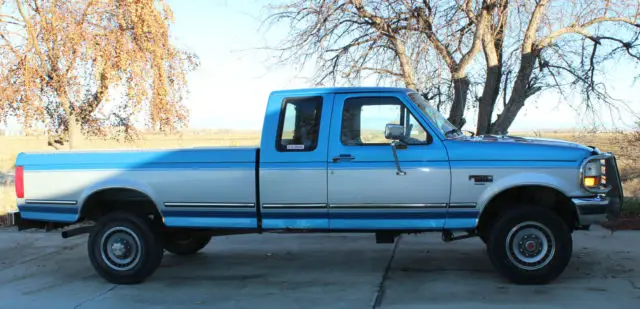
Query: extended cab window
[364,120]
[299,124]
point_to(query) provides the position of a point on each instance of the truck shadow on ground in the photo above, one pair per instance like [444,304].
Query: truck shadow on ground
[410,262]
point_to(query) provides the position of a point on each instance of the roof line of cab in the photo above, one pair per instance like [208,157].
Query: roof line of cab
[325,90]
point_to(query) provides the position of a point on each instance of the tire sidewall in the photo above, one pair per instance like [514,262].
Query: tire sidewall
[498,251]
[150,249]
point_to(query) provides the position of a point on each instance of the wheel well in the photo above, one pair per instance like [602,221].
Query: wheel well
[105,201]
[533,195]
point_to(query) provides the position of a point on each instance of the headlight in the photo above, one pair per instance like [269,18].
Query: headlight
[593,168]
[592,174]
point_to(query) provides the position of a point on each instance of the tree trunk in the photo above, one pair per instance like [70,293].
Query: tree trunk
[519,94]
[405,64]
[492,42]
[75,133]
[460,91]
[488,99]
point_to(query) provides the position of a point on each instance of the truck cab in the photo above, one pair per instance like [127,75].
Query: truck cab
[373,160]
[325,163]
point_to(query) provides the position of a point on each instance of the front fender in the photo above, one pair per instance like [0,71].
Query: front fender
[520,180]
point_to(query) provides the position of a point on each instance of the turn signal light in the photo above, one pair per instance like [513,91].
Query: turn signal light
[591,181]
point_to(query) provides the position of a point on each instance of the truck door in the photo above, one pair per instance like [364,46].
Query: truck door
[293,162]
[367,190]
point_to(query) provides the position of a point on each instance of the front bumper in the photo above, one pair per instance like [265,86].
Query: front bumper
[598,209]
[602,207]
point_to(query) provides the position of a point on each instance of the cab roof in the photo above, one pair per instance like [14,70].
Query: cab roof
[324,90]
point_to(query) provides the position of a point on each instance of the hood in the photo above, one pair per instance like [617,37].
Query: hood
[515,148]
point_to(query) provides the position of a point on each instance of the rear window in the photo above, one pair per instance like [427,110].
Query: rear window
[299,124]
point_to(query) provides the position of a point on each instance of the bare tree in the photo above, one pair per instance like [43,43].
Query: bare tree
[431,46]
[63,60]
[549,43]
[474,21]
[349,38]
[390,38]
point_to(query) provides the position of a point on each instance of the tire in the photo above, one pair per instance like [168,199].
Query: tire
[185,243]
[547,247]
[141,244]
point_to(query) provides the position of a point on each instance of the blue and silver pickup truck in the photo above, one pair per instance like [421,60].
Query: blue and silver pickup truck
[338,160]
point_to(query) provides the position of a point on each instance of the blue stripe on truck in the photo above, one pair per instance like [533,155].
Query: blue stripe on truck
[50,213]
[324,214]
[55,209]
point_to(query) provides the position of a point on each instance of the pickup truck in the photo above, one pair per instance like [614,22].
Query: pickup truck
[376,160]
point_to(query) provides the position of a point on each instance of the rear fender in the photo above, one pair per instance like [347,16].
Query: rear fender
[119,183]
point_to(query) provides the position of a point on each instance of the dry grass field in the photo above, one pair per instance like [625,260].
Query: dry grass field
[626,146]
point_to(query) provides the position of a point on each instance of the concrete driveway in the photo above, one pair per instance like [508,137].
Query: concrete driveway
[42,270]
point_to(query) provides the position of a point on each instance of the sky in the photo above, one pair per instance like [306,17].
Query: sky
[232,85]
[231,88]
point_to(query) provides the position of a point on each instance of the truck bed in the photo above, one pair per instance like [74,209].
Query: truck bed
[221,178]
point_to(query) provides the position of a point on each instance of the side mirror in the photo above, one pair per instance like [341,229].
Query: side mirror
[393,131]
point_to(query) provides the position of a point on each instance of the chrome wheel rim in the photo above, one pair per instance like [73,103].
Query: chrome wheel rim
[530,245]
[120,248]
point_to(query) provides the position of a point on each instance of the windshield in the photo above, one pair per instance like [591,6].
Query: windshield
[445,127]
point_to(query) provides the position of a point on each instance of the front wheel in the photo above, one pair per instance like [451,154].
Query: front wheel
[530,245]
[124,249]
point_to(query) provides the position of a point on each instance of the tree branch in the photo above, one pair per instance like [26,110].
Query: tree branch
[32,37]
[532,28]
[581,29]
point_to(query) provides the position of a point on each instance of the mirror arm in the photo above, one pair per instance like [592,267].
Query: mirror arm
[399,171]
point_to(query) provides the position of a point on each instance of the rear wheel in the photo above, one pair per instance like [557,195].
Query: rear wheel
[185,243]
[530,245]
[124,248]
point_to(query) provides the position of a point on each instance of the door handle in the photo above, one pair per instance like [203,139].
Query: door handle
[343,157]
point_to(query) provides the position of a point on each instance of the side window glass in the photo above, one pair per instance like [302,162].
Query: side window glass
[416,133]
[299,124]
[364,120]
[373,117]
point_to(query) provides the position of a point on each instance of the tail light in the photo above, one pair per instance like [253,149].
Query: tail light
[19,182]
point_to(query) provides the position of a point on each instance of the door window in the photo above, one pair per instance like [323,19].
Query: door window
[364,120]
